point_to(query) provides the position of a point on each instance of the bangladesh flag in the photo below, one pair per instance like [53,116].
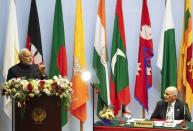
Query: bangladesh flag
[119,83]
[58,63]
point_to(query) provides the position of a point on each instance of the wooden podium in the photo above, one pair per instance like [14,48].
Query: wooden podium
[41,114]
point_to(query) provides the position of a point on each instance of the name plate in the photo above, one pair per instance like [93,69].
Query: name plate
[144,124]
[169,124]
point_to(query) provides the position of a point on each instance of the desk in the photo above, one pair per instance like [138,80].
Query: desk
[115,127]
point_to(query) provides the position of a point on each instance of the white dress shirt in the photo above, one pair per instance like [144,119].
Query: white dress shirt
[170,111]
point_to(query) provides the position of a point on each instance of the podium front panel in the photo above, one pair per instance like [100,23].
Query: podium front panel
[40,114]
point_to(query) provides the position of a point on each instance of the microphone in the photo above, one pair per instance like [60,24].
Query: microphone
[183,123]
[184,111]
[186,114]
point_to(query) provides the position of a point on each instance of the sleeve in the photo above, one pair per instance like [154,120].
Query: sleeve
[44,76]
[156,113]
[41,76]
[10,74]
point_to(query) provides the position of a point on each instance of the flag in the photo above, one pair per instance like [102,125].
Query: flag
[166,61]
[58,62]
[79,87]
[185,65]
[100,58]
[11,51]
[119,81]
[144,70]
[33,42]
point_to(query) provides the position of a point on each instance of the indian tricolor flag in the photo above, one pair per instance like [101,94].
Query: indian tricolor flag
[11,50]
[185,65]
[167,62]
[100,58]
[79,87]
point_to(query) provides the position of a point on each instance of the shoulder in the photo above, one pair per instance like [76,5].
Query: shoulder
[161,103]
[15,67]
[179,102]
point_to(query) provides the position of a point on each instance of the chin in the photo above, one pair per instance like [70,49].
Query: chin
[30,63]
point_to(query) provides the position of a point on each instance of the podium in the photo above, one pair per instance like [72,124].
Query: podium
[40,114]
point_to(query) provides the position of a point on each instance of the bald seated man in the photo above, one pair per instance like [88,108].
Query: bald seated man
[25,68]
[177,109]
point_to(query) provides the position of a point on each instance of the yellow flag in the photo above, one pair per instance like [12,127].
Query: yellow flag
[185,65]
[11,51]
[80,87]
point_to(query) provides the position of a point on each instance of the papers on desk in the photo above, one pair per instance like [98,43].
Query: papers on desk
[134,119]
[167,124]
[178,121]
[158,123]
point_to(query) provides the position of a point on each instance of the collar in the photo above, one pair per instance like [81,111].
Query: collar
[23,65]
[173,103]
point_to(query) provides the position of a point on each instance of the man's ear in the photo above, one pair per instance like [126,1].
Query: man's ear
[174,96]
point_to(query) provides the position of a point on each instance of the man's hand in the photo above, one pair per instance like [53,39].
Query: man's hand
[42,69]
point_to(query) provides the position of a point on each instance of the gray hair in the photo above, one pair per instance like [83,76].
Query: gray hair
[20,55]
[173,89]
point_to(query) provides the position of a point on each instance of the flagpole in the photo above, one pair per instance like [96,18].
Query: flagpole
[81,126]
[143,113]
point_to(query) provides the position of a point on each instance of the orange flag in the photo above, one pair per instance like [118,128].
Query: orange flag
[80,87]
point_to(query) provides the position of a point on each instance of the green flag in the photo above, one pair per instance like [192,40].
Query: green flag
[100,58]
[58,63]
[119,84]
[167,51]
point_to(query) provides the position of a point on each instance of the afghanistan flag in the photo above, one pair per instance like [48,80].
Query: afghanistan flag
[33,42]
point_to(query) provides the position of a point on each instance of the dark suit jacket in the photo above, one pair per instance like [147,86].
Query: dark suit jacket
[26,71]
[161,108]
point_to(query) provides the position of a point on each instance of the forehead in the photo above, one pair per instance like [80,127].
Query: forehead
[26,53]
[167,91]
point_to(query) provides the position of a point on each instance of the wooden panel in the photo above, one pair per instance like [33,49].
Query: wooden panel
[33,118]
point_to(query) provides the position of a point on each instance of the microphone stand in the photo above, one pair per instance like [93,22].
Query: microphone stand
[183,124]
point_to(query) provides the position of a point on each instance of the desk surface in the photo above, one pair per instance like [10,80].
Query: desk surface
[115,127]
[118,128]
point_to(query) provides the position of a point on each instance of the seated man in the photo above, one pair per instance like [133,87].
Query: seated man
[25,68]
[171,105]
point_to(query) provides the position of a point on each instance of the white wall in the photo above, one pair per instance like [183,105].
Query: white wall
[132,18]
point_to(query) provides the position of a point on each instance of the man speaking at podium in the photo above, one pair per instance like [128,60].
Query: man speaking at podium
[25,68]
[171,107]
